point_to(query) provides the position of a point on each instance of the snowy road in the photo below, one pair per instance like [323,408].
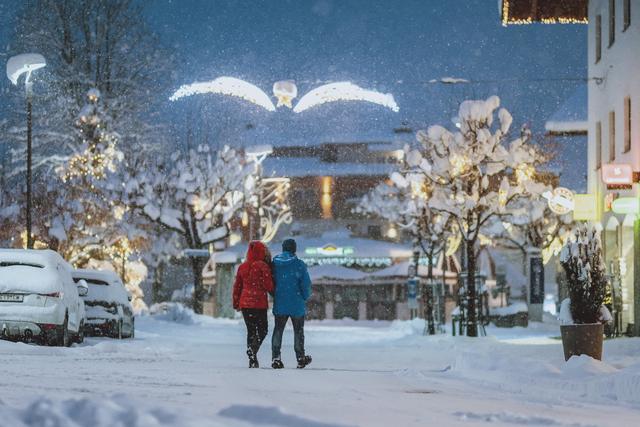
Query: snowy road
[376,374]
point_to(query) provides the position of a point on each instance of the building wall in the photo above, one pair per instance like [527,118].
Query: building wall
[614,77]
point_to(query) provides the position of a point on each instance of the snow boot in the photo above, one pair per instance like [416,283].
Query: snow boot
[277,364]
[253,360]
[304,361]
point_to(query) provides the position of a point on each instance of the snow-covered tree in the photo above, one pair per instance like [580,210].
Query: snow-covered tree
[100,44]
[477,175]
[404,202]
[196,195]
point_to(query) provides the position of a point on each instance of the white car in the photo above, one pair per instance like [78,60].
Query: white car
[109,310]
[39,300]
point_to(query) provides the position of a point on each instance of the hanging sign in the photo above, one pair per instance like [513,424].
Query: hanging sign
[614,174]
[626,205]
[585,207]
[560,200]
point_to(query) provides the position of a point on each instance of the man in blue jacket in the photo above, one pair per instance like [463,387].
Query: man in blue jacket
[293,289]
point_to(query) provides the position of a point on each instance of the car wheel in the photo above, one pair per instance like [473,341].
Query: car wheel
[133,328]
[119,330]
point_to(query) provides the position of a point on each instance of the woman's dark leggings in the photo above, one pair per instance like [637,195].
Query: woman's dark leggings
[257,327]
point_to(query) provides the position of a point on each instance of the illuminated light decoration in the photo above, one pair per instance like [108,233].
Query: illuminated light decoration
[534,12]
[227,86]
[560,200]
[459,164]
[344,91]
[524,173]
[617,174]
[626,205]
[274,211]
[585,207]
[285,91]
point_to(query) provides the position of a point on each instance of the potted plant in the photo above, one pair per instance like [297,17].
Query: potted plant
[582,315]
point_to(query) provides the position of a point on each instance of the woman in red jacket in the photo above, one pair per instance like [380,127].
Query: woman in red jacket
[253,282]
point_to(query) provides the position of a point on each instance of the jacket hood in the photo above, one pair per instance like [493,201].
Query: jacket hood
[285,257]
[257,252]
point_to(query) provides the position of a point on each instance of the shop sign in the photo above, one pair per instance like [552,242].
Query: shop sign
[626,205]
[617,174]
[585,207]
[329,250]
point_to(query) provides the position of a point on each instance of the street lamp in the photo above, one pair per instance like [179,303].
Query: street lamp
[18,65]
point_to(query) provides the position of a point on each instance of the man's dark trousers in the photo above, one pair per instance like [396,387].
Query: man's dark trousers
[298,335]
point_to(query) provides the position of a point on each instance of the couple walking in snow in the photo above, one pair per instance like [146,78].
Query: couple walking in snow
[286,278]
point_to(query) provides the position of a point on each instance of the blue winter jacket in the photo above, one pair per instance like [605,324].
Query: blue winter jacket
[293,285]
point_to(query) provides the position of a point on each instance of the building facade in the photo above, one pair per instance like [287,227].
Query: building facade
[614,139]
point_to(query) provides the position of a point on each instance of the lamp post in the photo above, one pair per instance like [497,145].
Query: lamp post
[18,65]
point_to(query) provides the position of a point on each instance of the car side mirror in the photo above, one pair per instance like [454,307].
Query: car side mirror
[83,287]
[129,297]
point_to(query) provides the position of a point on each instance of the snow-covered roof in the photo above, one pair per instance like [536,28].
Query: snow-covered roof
[401,269]
[572,116]
[313,166]
[339,272]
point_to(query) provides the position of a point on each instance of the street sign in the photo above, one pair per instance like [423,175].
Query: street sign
[412,293]
[536,281]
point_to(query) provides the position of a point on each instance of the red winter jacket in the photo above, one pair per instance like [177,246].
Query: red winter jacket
[253,279]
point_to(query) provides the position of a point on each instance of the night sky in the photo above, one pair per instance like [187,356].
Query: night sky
[390,46]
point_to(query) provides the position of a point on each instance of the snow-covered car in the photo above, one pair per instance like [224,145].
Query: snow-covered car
[39,300]
[108,304]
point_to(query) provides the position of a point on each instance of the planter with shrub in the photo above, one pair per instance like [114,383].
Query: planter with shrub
[583,314]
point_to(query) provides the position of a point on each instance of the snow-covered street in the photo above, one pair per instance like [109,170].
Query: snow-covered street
[193,372]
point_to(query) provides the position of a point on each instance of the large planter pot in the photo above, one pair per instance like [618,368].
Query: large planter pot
[582,339]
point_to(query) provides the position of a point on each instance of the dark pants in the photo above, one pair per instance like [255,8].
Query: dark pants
[298,335]
[257,327]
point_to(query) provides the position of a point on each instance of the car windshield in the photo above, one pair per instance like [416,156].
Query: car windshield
[19,263]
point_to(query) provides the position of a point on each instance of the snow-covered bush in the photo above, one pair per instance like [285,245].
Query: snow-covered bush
[581,259]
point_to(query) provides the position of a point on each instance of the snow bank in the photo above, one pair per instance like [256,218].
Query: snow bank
[118,411]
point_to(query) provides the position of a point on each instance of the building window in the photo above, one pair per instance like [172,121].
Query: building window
[627,124]
[598,145]
[612,136]
[374,232]
[612,22]
[598,38]
[626,15]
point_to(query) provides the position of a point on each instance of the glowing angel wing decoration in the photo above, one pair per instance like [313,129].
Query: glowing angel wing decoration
[227,86]
[344,91]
